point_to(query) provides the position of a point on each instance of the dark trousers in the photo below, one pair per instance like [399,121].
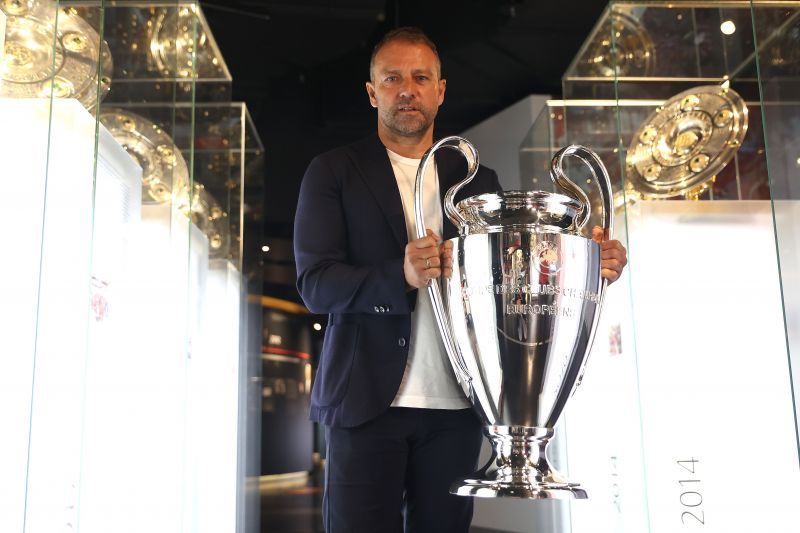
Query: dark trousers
[393,473]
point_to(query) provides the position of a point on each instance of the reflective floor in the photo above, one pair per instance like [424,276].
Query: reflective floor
[293,509]
[298,508]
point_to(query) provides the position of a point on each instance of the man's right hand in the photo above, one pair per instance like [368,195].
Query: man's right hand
[421,262]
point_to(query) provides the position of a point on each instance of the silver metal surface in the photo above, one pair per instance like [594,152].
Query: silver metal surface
[685,142]
[52,52]
[518,316]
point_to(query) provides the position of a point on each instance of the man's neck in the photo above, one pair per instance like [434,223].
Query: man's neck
[411,147]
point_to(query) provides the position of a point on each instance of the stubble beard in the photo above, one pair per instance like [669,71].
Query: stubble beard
[412,125]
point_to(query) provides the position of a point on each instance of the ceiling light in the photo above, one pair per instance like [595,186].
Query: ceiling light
[727,27]
[265,248]
[317,326]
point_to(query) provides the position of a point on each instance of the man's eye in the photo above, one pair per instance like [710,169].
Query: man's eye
[390,78]
[422,78]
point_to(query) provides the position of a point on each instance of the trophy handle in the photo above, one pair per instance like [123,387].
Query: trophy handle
[471,154]
[600,174]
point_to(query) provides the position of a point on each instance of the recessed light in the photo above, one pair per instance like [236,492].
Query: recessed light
[727,27]
[265,248]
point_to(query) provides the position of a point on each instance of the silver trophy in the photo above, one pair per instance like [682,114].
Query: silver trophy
[518,315]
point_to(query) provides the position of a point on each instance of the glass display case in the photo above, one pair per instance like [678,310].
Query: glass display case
[163,51]
[125,338]
[688,393]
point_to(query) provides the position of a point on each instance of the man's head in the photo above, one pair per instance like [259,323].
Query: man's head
[407,34]
[405,83]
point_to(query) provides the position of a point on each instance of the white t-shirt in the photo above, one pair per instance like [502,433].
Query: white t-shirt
[428,381]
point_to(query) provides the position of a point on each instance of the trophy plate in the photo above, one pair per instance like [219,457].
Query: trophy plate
[629,52]
[180,46]
[41,60]
[685,142]
[206,213]
[164,171]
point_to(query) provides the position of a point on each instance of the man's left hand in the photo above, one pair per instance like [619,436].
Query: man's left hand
[613,255]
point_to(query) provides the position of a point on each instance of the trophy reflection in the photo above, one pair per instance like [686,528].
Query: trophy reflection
[518,315]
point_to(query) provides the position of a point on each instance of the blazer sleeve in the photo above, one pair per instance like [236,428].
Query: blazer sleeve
[327,280]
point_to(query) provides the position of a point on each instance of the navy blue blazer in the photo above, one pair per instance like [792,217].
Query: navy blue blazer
[349,241]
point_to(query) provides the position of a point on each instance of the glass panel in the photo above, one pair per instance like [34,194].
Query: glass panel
[702,139]
[160,48]
[538,147]
[147,343]
[611,467]
[656,49]
[777,31]
[123,303]
[52,83]
[673,371]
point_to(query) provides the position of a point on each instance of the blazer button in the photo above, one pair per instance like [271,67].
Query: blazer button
[401,342]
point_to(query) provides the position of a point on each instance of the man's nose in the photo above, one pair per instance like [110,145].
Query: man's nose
[407,89]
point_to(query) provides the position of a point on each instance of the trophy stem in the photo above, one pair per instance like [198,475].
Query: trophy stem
[518,468]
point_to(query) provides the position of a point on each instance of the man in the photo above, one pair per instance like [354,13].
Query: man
[398,427]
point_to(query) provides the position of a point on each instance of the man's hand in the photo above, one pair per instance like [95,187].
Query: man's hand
[613,256]
[446,255]
[421,262]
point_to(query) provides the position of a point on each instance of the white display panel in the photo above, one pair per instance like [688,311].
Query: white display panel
[24,171]
[687,396]
[47,305]
[214,385]
[719,445]
[138,431]
[787,224]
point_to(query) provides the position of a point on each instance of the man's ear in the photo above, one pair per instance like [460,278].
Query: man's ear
[442,87]
[371,93]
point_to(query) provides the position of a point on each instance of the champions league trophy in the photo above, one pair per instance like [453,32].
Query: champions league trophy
[518,315]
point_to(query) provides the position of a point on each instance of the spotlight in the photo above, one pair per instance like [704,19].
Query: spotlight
[317,326]
[265,248]
[727,27]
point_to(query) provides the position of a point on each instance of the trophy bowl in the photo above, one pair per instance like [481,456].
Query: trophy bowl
[517,316]
[494,212]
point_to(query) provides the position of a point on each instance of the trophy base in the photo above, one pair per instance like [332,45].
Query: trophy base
[518,468]
[483,488]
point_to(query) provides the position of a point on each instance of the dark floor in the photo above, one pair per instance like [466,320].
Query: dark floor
[298,510]
[293,510]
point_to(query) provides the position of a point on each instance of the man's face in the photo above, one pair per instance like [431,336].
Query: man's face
[406,88]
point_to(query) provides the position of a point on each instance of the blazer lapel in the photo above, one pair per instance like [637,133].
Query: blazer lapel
[377,173]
